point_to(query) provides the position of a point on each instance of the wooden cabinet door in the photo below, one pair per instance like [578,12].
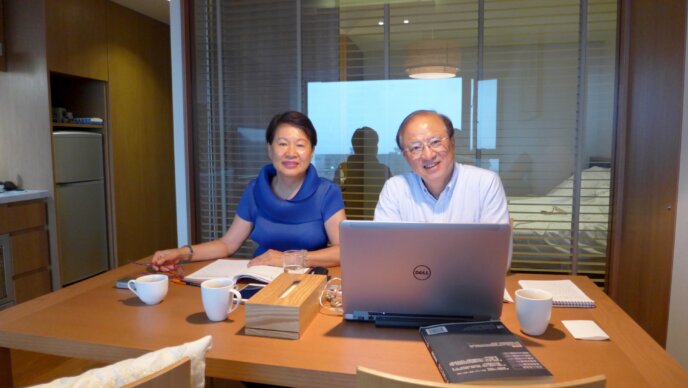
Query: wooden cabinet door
[77,37]
[30,264]
[647,160]
[30,251]
[25,222]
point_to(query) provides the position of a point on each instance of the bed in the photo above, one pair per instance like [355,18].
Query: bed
[543,227]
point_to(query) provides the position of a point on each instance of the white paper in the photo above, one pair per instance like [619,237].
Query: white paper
[219,269]
[236,269]
[585,330]
[507,297]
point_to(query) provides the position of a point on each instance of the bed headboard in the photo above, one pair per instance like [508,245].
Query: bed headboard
[600,161]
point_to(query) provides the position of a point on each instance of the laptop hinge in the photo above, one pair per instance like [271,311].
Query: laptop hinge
[392,320]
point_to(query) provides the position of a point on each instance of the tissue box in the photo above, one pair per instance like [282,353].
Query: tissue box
[285,307]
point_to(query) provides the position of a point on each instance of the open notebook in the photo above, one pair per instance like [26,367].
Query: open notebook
[236,269]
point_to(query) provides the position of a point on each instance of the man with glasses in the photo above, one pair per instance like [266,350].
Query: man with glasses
[439,189]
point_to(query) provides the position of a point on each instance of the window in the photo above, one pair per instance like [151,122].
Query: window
[532,99]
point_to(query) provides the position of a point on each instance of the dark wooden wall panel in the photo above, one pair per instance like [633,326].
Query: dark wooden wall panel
[652,43]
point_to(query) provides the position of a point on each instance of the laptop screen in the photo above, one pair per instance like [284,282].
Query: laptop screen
[429,270]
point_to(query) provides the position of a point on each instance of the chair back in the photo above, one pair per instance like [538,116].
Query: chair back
[369,378]
[177,375]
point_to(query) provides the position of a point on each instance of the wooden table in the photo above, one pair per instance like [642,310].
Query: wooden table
[93,320]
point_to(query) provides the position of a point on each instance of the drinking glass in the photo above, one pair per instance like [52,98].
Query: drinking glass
[293,260]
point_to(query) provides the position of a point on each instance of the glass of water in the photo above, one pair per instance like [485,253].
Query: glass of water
[293,260]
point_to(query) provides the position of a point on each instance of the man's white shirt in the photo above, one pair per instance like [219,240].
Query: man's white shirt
[473,195]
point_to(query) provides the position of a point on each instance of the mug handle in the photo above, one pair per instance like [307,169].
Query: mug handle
[236,301]
[129,284]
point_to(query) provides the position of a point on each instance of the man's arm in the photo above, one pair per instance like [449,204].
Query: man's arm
[494,209]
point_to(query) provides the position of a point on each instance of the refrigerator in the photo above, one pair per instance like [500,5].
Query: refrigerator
[80,204]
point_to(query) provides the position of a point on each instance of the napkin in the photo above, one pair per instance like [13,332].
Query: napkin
[507,297]
[585,330]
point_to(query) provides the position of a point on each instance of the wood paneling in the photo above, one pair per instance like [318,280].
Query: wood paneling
[77,37]
[652,45]
[141,133]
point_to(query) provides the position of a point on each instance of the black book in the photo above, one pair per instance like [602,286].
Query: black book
[481,350]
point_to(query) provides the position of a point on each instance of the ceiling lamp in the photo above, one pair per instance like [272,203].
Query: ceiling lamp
[432,59]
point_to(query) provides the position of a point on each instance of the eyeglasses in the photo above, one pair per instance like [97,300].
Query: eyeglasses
[416,148]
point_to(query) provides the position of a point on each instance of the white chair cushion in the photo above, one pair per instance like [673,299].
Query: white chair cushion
[127,371]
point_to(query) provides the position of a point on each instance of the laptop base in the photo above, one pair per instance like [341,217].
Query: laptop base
[409,320]
[417,321]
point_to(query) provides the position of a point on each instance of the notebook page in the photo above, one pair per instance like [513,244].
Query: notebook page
[223,268]
[564,292]
[236,269]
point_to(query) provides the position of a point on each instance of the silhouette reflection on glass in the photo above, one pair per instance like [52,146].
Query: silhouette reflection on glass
[362,176]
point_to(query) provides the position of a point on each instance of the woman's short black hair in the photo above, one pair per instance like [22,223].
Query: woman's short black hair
[296,119]
[447,123]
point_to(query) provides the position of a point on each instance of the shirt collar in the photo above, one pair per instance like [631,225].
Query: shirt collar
[447,189]
[308,188]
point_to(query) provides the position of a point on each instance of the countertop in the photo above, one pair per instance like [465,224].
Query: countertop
[22,195]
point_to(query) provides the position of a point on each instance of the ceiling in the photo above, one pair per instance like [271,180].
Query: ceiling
[156,9]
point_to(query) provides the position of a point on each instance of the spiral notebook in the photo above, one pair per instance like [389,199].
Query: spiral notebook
[564,292]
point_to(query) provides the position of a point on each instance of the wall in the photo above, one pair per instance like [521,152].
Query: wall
[677,335]
[141,133]
[25,148]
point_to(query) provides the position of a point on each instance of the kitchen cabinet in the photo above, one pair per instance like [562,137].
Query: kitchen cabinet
[77,37]
[26,224]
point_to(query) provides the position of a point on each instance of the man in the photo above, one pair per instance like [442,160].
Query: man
[439,189]
[362,176]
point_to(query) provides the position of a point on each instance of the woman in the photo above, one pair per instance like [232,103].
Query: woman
[286,207]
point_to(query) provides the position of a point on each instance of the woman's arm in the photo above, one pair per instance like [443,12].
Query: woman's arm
[226,246]
[326,257]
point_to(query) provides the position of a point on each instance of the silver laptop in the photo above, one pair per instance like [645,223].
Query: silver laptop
[416,274]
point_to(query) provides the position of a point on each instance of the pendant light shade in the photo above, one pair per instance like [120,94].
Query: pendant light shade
[432,59]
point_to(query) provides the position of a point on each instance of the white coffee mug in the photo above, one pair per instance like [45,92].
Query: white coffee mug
[534,310]
[219,298]
[151,289]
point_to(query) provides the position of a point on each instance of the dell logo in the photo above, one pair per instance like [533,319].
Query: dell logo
[422,272]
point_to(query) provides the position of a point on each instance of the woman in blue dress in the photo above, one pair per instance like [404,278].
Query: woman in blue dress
[286,207]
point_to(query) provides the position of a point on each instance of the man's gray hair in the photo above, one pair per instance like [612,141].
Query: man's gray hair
[447,123]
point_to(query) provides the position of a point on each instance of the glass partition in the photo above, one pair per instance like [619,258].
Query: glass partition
[530,92]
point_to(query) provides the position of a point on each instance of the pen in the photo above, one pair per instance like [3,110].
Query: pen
[184,282]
